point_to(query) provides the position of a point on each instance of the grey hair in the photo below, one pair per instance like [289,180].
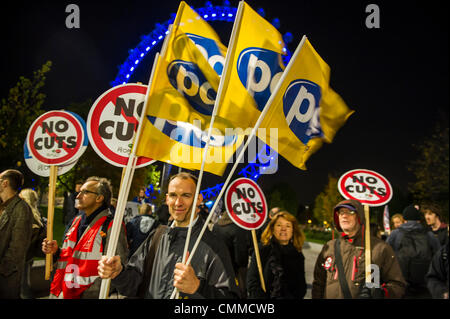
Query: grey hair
[184,175]
[103,188]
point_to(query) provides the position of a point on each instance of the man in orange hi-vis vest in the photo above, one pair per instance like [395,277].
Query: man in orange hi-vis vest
[76,273]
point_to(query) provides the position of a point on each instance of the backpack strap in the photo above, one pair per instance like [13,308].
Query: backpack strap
[149,260]
[104,230]
[340,266]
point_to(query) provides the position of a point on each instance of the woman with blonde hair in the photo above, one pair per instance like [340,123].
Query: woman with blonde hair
[397,220]
[31,198]
[282,261]
[38,234]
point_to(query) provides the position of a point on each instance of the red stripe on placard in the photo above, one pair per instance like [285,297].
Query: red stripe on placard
[70,153]
[367,186]
[108,97]
[130,119]
[64,144]
[234,217]
[381,199]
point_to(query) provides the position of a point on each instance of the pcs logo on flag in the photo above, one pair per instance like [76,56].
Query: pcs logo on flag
[301,109]
[266,67]
[210,51]
[188,79]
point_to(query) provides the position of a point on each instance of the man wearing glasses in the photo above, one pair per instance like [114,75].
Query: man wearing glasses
[340,267]
[85,241]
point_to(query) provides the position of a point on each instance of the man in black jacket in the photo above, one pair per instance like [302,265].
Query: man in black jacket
[414,248]
[16,221]
[153,273]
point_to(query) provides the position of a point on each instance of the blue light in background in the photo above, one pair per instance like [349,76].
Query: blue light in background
[209,12]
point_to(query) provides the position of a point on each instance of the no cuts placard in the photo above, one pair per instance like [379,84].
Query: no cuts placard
[112,123]
[57,138]
[368,187]
[246,204]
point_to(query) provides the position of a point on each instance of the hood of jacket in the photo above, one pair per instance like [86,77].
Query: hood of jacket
[224,219]
[412,225]
[351,204]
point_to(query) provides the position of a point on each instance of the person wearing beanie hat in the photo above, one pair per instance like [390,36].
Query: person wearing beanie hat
[414,247]
[411,213]
[349,220]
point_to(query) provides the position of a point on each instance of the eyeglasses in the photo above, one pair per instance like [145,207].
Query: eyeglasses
[85,191]
[346,212]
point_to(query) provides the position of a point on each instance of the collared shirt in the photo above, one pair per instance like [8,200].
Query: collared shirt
[4,204]
[86,220]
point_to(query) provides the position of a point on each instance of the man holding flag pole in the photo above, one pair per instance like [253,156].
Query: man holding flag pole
[155,268]
[220,278]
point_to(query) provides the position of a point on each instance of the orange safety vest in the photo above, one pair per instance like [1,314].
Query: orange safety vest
[78,262]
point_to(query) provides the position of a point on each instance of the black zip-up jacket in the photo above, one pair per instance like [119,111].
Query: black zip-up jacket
[211,263]
[283,271]
[437,277]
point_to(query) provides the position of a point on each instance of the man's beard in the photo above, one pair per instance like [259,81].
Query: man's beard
[187,217]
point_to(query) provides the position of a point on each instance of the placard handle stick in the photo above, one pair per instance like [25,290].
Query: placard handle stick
[106,284]
[258,260]
[123,174]
[368,256]
[50,214]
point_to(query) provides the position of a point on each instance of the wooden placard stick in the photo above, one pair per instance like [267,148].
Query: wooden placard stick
[258,260]
[368,256]
[50,214]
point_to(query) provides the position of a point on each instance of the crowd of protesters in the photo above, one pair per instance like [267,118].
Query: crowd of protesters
[412,262]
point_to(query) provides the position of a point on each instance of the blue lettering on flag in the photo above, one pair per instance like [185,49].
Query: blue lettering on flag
[210,50]
[266,68]
[301,109]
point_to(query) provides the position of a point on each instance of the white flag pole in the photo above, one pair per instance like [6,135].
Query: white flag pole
[234,32]
[125,188]
[252,134]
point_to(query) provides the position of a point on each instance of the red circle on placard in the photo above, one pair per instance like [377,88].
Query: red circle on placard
[72,153]
[93,122]
[229,193]
[382,200]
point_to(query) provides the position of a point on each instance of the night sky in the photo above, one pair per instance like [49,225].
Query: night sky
[394,77]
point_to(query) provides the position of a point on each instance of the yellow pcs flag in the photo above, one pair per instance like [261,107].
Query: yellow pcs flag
[182,93]
[254,66]
[187,75]
[305,110]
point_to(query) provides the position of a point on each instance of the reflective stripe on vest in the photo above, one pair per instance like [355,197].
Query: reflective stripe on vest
[78,262]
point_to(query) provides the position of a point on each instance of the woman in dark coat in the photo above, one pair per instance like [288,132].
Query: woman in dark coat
[282,261]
